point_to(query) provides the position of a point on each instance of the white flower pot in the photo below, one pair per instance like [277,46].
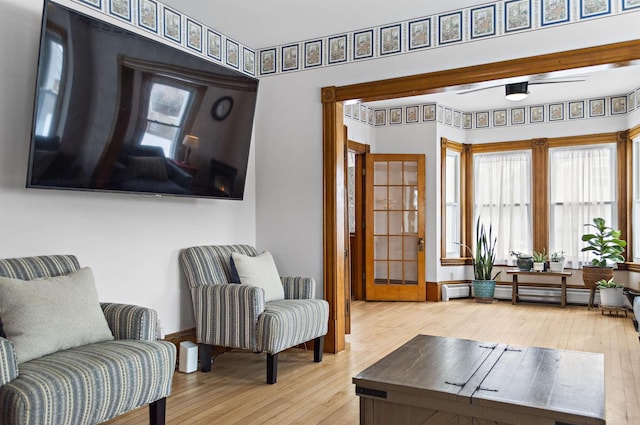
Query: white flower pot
[611,297]
[556,266]
[538,267]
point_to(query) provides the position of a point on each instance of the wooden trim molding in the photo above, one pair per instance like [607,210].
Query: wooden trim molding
[433,82]
[333,143]
[335,245]
[540,197]
[462,261]
[463,150]
[625,183]
[358,246]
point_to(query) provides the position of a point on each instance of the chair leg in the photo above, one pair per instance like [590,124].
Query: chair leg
[206,351]
[318,347]
[157,411]
[272,368]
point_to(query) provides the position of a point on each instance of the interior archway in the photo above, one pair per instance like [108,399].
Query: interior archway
[334,205]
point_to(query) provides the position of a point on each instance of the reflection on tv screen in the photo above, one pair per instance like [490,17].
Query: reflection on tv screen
[116,111]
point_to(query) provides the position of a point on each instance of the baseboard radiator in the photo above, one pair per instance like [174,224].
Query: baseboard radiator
[455,290]
[503,292]
[574,295]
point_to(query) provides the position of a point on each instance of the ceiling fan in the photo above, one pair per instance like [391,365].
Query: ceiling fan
[520,90]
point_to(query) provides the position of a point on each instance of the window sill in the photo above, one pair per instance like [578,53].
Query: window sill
[455,261]
[632,267]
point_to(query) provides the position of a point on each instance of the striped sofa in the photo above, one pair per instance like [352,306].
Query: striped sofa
[237,316]
[92,383]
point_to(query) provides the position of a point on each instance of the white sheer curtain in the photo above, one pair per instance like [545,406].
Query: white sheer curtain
[582,185]
[502,199]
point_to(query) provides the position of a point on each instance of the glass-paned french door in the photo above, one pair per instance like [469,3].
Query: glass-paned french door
[395,227]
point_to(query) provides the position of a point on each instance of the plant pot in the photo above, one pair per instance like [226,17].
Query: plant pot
[611,297]
[483,290]
[556,266]
[538,267]
[592,274]
[524,264]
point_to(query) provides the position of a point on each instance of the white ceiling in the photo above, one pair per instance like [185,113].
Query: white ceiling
[267,23]
[596,82]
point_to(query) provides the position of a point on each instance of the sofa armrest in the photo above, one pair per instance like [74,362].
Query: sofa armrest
[131,321]
[227,314]
[8,362]
[299,288]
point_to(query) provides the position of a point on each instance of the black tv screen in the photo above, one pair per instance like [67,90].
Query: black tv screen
[117,111]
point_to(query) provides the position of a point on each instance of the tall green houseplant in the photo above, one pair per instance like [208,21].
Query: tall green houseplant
[483,258]
[605,243]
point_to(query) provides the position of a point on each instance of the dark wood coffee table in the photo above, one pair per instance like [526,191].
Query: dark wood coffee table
[439,380]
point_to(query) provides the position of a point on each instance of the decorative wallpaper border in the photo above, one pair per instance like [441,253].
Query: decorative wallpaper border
[599,107]
[493,19]
[176,28]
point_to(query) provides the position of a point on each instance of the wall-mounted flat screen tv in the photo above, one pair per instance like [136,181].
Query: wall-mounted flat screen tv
[117,111]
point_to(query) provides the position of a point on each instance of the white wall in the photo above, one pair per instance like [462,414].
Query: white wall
[133,242]
[130,242]
[289,131]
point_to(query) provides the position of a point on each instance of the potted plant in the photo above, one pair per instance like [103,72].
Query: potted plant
[607,247]
[611,293]
[484,284]
[556,262]
[539,258]
[523,261]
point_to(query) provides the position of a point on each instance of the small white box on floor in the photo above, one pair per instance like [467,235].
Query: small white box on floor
[188,357]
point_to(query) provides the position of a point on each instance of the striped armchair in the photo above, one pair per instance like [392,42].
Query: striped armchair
[237,316]
[91,383]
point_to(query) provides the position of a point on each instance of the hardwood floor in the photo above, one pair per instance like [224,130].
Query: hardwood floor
[235,392]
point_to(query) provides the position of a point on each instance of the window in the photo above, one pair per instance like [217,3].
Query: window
[452,204]
[351,190]
[582,186]
[169,105]
[502,199]
[49,86]
[635,207]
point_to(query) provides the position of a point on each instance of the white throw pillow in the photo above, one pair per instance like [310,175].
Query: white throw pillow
[259,271]
[43,316]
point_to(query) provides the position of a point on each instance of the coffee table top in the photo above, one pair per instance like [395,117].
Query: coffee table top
[564,384]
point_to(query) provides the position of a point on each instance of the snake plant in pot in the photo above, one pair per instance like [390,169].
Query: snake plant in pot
[484,283]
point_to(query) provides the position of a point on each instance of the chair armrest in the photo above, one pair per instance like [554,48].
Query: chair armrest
[131,321]
[226,314]
[298,288]
[178,175]
[8,362]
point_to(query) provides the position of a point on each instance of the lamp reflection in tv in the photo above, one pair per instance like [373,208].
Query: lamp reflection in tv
[189,142]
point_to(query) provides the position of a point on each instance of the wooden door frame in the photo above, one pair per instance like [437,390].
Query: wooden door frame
[334,204]
[358,254]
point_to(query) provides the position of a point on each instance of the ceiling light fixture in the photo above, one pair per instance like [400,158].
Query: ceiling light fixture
[516,91]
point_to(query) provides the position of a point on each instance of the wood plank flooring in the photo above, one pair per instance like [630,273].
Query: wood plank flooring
[235,392]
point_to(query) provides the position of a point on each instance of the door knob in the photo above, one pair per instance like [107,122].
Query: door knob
[420,244]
